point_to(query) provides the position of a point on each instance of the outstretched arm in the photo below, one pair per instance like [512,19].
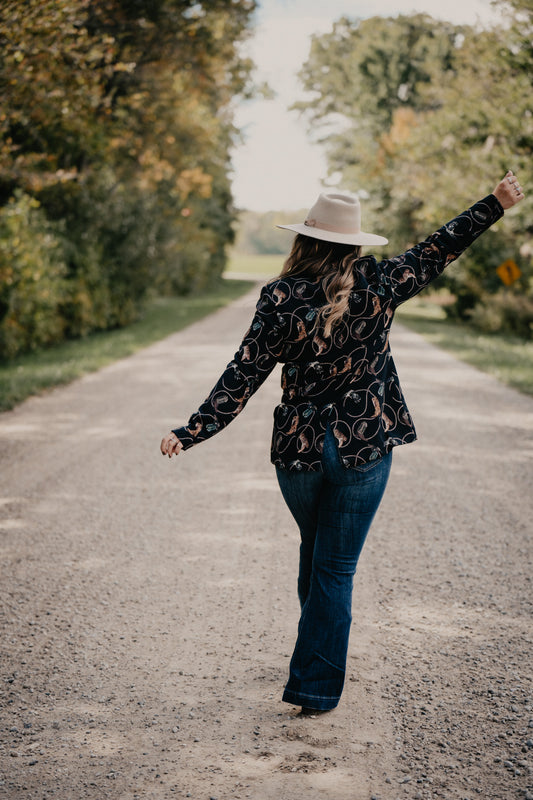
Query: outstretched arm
[404,276]
[251,365]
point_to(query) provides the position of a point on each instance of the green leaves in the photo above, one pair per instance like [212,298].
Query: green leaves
[426,117]
[117,119]
[32,277]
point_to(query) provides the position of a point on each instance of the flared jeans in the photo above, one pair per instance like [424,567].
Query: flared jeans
[333,510]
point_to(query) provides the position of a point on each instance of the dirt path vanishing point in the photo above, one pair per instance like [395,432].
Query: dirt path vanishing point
[149,608]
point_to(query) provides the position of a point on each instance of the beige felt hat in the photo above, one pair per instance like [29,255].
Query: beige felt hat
[336,218]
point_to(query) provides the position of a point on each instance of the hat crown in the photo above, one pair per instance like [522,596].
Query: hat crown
[336,218]
[336,213]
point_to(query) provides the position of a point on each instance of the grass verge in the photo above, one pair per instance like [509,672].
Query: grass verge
[32,373]
[505,357]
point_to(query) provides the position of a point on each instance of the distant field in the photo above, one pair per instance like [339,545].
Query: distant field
[262,266]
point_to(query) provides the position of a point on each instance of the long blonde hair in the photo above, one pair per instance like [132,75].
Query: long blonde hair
[314,258]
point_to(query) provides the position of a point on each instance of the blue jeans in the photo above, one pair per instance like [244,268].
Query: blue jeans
[333,510]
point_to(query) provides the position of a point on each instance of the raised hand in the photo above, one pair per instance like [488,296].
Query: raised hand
[508,191]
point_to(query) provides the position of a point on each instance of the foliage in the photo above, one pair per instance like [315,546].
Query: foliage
[32,277]
[118,120]
[504,311]
[425,117]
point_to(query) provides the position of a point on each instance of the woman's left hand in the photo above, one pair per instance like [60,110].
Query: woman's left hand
[170,445]
[508,191]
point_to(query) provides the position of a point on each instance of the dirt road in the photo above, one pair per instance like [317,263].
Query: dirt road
[150,609]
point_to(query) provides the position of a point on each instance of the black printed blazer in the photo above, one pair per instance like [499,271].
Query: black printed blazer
[348,380]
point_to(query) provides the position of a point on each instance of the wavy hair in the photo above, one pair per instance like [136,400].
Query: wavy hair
[333,264]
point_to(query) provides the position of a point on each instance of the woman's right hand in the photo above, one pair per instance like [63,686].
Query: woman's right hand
[170,445]
[508,191]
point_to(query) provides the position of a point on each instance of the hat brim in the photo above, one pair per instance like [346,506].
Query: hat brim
[361,238]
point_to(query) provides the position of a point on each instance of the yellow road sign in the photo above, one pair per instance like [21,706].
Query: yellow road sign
[509,271]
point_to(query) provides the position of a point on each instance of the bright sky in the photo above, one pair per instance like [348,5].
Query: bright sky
[277,167]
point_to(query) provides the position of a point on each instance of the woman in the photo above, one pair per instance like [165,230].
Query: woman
[327,320]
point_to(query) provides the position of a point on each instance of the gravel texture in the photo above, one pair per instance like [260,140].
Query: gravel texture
[149,607]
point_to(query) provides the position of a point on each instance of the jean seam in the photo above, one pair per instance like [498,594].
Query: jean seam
[329,663]
[311,696]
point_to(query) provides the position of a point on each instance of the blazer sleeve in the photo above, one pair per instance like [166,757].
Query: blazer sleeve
[252,364]
[406,275]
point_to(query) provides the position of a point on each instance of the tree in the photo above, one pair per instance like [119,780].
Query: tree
[430,115]
[118,121]
[362,73]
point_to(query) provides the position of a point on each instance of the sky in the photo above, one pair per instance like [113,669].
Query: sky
[277,166]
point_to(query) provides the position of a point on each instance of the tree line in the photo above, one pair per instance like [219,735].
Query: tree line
[116,130]
[425,116]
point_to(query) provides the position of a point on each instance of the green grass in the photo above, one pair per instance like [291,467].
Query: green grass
[505,357]
[32,373]
[264,266]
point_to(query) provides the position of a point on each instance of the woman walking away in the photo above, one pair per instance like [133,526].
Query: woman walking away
[327,320]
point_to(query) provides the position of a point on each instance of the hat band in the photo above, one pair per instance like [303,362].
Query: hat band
[313,223]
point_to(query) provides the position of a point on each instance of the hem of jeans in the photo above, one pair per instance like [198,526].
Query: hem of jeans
[319,702]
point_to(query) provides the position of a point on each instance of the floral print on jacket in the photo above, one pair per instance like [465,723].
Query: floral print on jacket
[347,380]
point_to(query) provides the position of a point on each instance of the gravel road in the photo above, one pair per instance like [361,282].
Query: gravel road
[149,607]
